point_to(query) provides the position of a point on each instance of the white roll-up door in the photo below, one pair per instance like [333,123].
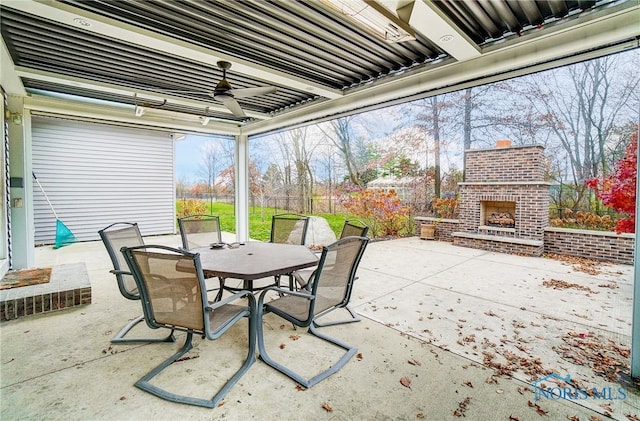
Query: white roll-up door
[96,174]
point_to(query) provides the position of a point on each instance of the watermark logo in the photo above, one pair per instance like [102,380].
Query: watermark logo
[554,386]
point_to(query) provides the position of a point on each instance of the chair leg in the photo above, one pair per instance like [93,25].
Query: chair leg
[120,336]
[307,383]
[354,318]
[144,382]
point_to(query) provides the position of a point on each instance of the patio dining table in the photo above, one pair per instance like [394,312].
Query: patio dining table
[254,260]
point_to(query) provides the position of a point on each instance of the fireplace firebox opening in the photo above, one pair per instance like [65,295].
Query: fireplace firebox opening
[498,214]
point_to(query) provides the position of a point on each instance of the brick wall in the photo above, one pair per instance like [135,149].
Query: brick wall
[599,245]
[523,163]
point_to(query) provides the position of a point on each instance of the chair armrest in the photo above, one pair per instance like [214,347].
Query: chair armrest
[120,272]
[285,291]
[232,298]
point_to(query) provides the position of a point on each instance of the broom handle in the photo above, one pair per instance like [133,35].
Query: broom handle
[45,194]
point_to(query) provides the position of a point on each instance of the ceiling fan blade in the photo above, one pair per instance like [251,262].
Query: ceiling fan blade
[247,92]
[231,104]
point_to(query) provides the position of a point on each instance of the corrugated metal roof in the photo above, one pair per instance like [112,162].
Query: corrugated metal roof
[310,52]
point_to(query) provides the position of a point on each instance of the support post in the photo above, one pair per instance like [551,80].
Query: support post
[242,188]
[635,321]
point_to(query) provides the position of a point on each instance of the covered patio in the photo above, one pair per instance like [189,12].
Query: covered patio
[433,314]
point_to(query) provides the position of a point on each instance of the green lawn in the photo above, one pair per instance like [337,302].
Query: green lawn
[259,226]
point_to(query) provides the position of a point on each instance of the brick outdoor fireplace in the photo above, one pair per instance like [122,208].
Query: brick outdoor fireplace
[504,200]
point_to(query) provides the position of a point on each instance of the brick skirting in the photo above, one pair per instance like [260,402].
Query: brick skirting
[68,286]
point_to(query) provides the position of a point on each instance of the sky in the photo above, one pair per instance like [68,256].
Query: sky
[188,157]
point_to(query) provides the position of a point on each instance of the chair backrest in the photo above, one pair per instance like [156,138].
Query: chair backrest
[199,231]
[171,286]
[289,228]
[333,280]
[114,237]
[354,229]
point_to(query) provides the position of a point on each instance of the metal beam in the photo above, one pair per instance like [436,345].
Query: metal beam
[433,24]
[9,79]
[92,111]
[112,28]
[77,82]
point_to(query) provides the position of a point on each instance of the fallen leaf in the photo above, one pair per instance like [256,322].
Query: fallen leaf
[559,284]
[462,407]
[359,356]
[221,403]
[512,418]
[282,346]
[541,411]
[573,418]
[413,361]
[299,388]
[468,383]
[294,337]
[327,407]
[632,417]
[405,382]
[420,415]
[122,398]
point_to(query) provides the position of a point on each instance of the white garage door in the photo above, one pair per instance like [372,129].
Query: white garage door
[96,174]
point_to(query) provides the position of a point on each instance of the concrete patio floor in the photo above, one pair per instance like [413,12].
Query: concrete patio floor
[469,329]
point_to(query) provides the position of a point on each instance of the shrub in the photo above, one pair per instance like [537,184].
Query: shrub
[188,207]
[584,220]
[618,190]
[382,211]
[446,207]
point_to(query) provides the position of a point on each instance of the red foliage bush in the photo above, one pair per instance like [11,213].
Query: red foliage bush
[618,190]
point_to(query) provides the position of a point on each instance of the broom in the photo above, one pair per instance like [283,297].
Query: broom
[64,236]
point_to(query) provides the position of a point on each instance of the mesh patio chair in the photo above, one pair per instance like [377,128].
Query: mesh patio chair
[330,289]
[114,237]
[199,231]
[202,231]
[349,229]
[288,228]
[354,228]
[172,288]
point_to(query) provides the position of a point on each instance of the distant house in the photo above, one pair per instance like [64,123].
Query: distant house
[410,189]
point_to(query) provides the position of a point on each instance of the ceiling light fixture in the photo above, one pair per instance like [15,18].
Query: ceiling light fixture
[139,111]
[375,18]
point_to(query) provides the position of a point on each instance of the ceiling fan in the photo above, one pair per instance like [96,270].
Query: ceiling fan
[225,93]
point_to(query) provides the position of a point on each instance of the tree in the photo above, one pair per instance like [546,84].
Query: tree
[618,190]
[296,149]
[343,137]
